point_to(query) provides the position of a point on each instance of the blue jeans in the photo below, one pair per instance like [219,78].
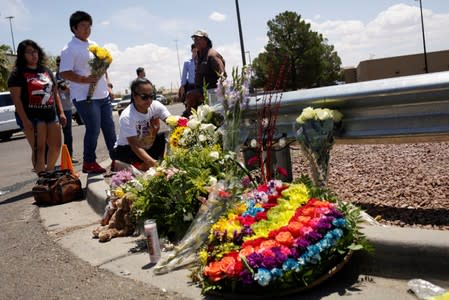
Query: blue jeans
[96,114]
[67,131]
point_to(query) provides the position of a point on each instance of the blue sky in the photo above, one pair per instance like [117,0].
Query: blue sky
[147,32]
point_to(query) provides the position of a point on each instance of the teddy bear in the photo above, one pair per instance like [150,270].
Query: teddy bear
[117,221]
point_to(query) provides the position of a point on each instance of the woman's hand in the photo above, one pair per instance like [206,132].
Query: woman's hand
[62,120]
[27,125]
[148,164]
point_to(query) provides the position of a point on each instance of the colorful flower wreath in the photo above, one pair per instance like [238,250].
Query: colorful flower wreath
[277,237]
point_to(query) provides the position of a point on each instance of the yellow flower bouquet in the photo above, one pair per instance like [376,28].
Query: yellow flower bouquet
[99,64]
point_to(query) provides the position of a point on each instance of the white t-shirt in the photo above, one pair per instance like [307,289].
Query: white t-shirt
[75,57]
[133,123]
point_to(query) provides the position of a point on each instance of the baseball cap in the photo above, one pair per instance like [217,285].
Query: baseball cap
[200,33]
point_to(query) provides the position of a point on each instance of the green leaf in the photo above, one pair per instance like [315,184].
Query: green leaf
[355,247]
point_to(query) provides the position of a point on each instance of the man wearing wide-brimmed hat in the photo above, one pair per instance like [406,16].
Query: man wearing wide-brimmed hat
[210,65]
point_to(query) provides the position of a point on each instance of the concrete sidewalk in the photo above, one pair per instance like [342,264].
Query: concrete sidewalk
[401,254]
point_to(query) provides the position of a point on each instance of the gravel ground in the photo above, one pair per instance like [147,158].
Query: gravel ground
[398,184]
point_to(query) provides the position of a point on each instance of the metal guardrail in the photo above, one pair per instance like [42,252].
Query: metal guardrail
[402,109]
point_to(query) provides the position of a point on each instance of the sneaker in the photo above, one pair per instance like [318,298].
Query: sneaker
[93,168]
[137,164]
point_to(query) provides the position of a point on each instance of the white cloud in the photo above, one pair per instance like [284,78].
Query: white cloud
[395,31]
[160,64]
[217,17]
[131,18]
[17,9]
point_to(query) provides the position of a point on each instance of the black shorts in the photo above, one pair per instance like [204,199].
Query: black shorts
[127,155]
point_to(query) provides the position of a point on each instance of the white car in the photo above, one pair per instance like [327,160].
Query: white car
[126,100]
[8,123]
[115,102]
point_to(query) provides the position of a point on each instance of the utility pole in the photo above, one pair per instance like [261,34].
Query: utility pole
[12,34]
[249,57]
[179,64]
[423,38]
[242,47]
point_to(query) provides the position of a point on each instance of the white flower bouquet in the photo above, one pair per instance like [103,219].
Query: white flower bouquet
[316,136]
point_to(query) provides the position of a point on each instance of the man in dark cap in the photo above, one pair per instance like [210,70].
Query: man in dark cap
[210,65]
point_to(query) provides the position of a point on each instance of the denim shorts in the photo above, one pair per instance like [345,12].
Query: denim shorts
[35,121]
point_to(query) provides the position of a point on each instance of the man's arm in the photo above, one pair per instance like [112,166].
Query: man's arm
[217,62]
[185,68]
[72,76]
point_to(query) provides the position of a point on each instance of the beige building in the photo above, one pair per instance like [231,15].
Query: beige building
[397,66]
[11,59]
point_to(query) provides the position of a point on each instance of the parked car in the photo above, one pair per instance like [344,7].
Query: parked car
[162,99]
[115,102]
[126,100]
[76,116]
[8,123]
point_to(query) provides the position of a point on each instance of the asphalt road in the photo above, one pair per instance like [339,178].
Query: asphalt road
[15,158]
[32,265]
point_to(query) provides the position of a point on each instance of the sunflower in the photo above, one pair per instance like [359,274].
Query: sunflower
[175,136]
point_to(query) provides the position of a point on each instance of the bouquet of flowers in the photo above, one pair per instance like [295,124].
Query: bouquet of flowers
[172,192]
[200,130]
[98,64]
[277,238]
[219,200]
[234,98]
[316,136]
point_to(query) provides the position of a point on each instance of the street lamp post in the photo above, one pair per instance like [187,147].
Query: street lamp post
[242,47]
[177,54]
[423,38]
[12,34]
[249,56]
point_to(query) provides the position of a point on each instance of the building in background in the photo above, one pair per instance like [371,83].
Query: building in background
[396,66]
[11,59]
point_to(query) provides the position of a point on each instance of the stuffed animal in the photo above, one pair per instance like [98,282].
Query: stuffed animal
[117,221]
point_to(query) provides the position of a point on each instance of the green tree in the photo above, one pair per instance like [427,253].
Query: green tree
[51,63]
[309,59]
[4,67]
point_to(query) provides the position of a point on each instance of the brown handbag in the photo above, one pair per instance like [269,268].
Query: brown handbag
[57,187]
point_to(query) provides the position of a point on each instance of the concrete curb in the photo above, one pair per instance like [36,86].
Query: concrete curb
[401,253]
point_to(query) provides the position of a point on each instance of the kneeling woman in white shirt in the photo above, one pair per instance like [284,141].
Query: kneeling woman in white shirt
[139,143]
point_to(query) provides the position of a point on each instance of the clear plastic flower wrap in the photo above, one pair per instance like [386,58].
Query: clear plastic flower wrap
[425,290]
[316,137]
[218,202]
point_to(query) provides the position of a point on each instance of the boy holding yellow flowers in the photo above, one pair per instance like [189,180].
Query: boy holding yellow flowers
[84,64]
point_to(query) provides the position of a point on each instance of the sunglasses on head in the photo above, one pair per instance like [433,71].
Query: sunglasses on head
[145,96]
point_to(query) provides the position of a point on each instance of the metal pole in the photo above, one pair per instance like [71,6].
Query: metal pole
[12,34]
[423,38]
[242,47]
[179,64]
[249,56]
